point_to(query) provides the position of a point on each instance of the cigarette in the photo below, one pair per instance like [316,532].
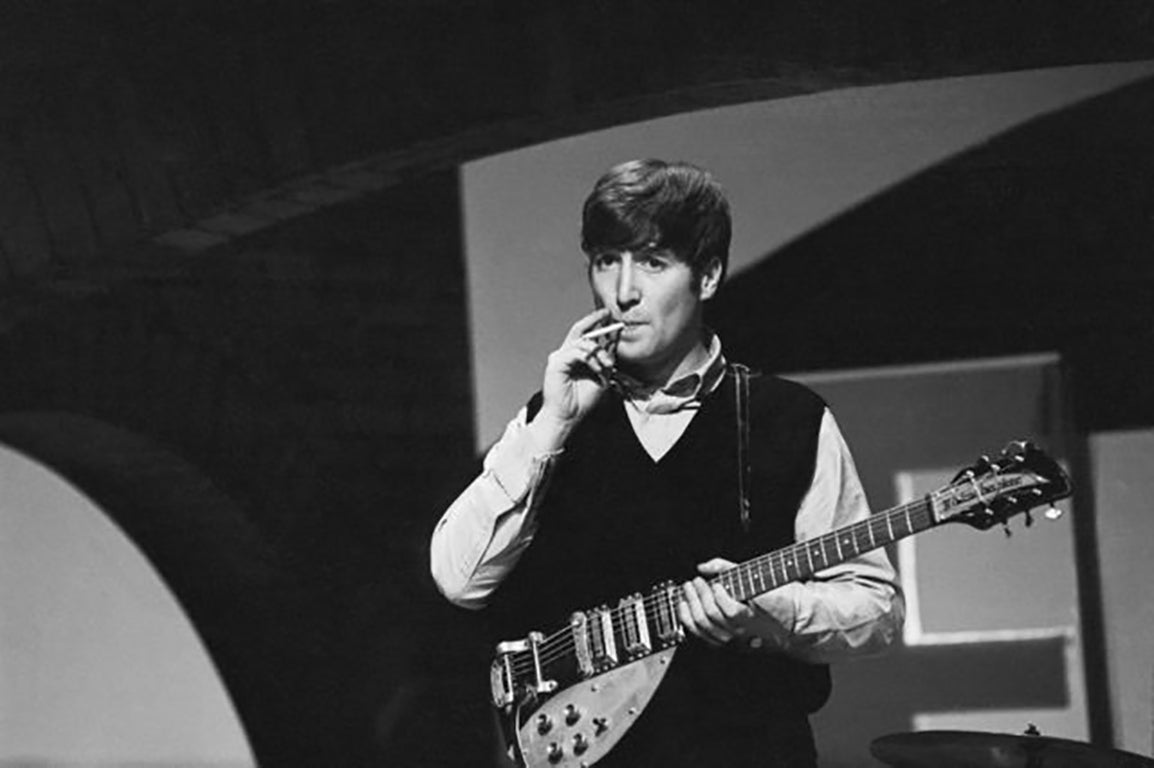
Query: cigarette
[603,331]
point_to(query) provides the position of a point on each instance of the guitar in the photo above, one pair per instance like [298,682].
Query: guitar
[565,699]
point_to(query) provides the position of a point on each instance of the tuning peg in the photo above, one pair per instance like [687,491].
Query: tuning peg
[1029,518]
[1052,513]
[1006,529]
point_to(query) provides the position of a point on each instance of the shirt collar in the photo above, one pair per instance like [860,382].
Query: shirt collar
[683,392]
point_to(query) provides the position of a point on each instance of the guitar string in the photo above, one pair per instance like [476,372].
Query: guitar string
[548,650]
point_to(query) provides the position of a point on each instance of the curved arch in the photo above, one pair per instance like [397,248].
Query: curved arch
[242,600]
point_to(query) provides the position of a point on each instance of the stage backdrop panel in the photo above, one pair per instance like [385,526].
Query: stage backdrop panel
[1123,469]
[992,639]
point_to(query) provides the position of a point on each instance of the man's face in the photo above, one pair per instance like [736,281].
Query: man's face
[660,301]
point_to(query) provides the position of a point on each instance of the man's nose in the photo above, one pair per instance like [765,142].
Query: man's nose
[627,294]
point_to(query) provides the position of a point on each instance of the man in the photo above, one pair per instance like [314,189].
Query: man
[639,461]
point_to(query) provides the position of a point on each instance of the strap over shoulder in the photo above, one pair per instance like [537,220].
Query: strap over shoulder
[741,376]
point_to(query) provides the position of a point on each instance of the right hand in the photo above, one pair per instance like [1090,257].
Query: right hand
[577,373]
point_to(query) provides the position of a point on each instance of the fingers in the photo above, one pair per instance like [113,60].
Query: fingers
[735,613]
[576,354]
[731,610]
[702,616]
[587,354]
[578,371]
[715,566]
[693,618]
[709,612]
[585,344]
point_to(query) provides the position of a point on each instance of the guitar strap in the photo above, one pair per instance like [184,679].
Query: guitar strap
[741,395]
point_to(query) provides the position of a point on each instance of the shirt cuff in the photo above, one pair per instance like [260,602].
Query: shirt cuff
[517,466]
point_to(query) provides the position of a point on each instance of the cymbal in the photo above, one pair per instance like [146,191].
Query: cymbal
[976,749]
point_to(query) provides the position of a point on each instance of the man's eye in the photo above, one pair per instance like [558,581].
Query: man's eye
[652,263]
[604,260]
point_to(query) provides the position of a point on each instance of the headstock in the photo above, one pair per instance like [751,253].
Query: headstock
[1021,478]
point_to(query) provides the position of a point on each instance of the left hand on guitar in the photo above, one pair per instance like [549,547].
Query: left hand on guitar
[711,614]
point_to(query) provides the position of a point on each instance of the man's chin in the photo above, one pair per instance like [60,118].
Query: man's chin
[633,366]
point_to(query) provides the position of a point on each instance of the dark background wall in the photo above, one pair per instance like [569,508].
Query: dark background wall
[230,261]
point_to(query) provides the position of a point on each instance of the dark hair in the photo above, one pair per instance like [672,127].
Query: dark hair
[676,205]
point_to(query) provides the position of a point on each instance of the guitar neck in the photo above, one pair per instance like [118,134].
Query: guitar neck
[800,561]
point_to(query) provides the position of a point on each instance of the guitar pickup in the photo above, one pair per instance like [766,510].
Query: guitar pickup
[634,627]
[602,643]
[664,598]
[579,627]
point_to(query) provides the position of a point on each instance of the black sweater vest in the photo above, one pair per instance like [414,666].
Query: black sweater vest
[614,522]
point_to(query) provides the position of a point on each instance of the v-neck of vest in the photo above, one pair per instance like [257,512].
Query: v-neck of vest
[687,436]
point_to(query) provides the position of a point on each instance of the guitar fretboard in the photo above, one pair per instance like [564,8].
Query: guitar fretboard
[800,561]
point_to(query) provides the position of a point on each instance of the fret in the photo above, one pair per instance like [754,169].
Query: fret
[788,563]
[815,550]
[925,514]
[909,522]
[758,578]
[808,556]
[777,566]
[879,524]
[846,542]
[894,524]
[747,589]
[826,542]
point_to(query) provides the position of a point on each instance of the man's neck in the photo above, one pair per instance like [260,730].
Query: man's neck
[676,367]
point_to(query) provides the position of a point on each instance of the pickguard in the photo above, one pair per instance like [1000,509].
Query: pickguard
[577,726]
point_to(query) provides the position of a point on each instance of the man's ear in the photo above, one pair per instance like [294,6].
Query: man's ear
[710,279]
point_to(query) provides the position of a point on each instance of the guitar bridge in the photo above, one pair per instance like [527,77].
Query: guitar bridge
[507,673]
[502,678]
